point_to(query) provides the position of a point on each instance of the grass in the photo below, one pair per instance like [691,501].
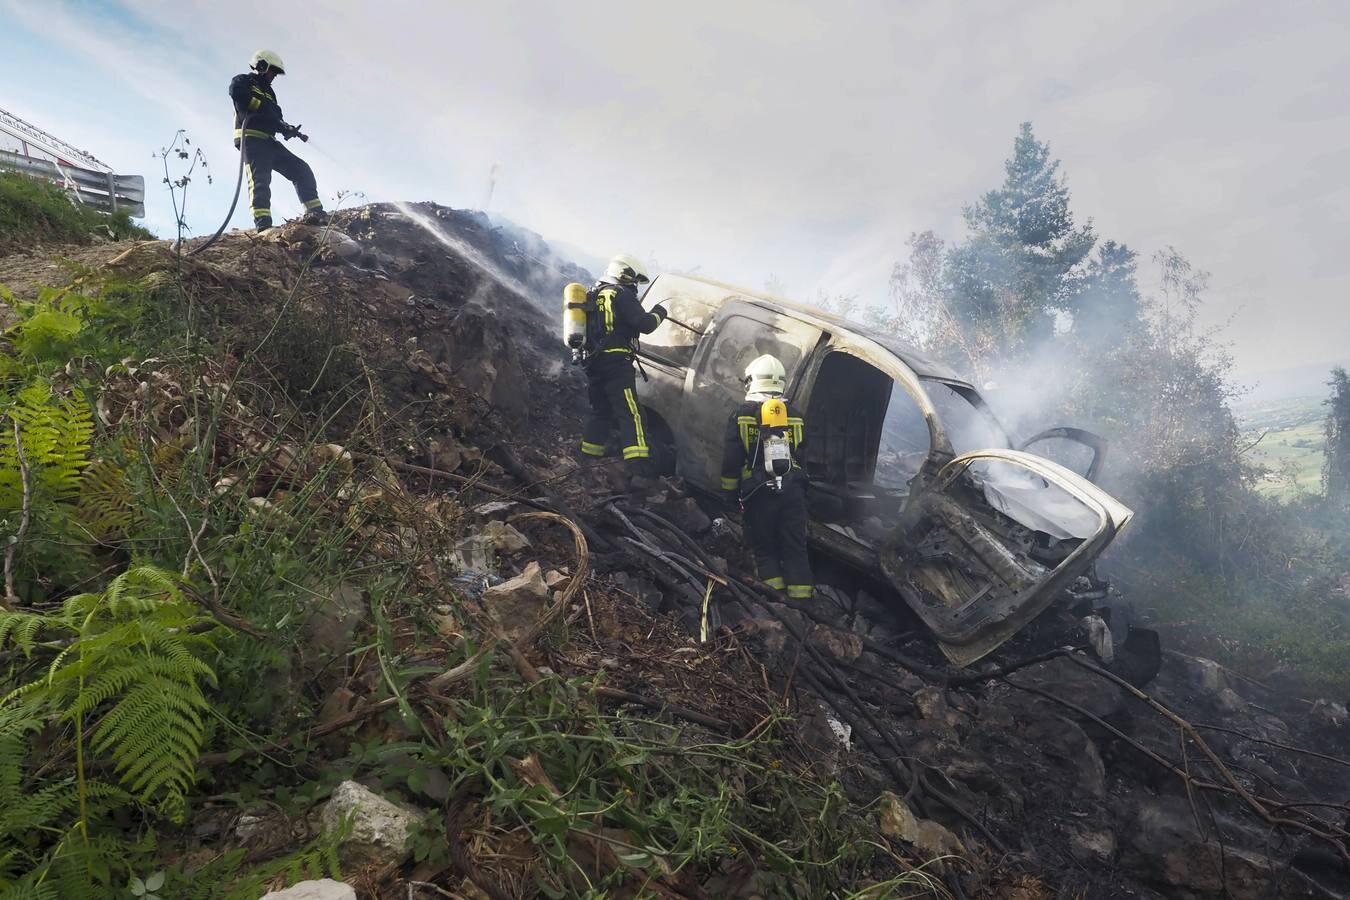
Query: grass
[1290,444]
[32,210]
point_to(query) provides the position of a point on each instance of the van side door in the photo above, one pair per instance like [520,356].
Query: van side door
[740,332]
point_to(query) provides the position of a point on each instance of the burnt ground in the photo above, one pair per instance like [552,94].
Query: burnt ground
[1048,779]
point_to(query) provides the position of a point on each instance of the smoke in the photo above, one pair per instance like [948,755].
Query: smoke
[461,247]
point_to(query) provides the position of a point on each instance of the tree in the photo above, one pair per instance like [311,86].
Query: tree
[1018,269]
[921,317]
[1108,305]
[1336,463]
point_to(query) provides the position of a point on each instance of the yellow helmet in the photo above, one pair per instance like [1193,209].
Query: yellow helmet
[626,269]
[267,61]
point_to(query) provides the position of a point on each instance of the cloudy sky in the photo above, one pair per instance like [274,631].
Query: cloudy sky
[800,140]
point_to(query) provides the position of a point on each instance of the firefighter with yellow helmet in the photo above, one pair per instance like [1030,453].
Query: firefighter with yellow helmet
[257,122]
[602,326]
[761,469]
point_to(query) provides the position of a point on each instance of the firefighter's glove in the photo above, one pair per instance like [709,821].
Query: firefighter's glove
[660,310]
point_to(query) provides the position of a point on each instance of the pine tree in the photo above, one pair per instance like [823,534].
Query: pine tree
[1336,463]
[1107,307]
[1019,267]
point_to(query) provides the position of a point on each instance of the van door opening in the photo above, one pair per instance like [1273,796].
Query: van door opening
[865,441]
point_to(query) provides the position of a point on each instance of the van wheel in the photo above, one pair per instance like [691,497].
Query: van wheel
[662,443]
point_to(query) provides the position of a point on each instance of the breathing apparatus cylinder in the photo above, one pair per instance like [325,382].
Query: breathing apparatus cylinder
[773,421]
[574,319]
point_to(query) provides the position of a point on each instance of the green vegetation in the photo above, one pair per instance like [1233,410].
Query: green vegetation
[32,210]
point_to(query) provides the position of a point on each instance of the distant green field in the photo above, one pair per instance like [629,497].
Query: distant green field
[1293,445]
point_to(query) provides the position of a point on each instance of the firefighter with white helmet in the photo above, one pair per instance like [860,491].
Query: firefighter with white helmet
[761,469]
[257,122]
[614,318]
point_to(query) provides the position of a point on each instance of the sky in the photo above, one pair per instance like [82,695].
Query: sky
[750,140]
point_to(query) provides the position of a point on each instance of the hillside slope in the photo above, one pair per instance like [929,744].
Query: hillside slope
[336,465]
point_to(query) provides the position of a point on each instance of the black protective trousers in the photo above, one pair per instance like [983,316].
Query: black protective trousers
[265,157]
[611,388]
[775,523]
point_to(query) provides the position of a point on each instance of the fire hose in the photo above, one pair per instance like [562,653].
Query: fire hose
[238,185]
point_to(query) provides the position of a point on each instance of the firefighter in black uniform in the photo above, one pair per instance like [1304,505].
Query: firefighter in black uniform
[759,467]
[257,121]
[614,319]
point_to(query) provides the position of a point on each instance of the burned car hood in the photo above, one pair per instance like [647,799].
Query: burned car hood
[1021,492]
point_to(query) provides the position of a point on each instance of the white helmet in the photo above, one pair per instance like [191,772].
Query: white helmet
[267,61]
[765,375]
[625,269]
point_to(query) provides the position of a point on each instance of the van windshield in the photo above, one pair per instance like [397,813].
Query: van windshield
[968,422]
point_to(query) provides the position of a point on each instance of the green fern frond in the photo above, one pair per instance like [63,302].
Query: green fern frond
[107,506]
[57,433]
[22,628]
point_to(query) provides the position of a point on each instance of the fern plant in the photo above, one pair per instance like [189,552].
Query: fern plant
[42,852]
[57,433]
[135,664]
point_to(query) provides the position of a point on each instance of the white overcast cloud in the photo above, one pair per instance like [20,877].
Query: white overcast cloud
[795,139]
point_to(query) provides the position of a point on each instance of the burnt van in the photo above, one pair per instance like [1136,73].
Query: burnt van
[913,480]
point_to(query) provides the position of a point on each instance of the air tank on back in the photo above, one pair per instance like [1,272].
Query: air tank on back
[574,319]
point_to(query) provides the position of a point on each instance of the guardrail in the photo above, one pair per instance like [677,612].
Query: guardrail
[103,191]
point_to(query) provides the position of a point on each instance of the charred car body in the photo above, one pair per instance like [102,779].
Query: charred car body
[912,478]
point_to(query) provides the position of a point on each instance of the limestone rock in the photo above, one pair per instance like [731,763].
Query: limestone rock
[515,604]
[842,645]
[1207,675]
[1092,846]
[931,702]
[379,828]
[1230,701]
[474,554]
[323,889]
[932,840]
[505,538]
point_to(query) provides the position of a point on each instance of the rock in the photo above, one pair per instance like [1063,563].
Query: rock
[769,633]
[1165,847]
[1070,682]
[686,515]
[334,455]
[323,889]
[495,509]
[505,538]
[516,604]
[1089,845]
[474,554]
[1207,675]
[1230,701]
[931,702]
[483,356]
[1329,713]
[330,628]
[932,840]
[842,645]
[1099,635]
[379,828]
[555,579]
